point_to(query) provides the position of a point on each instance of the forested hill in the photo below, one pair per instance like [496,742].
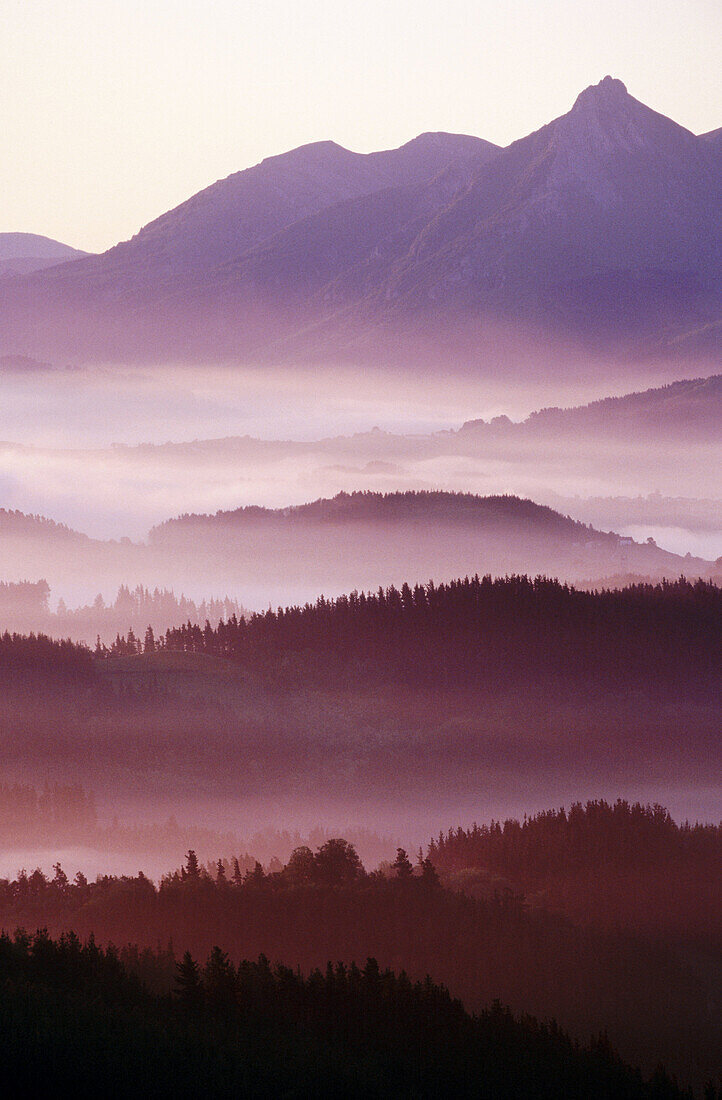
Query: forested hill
[74,1013]
[481,632]
[592,836]
[367,539]
[607,866]
[395,508]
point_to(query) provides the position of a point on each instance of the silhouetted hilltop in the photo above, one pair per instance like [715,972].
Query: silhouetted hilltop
[143,1023]
[422,507]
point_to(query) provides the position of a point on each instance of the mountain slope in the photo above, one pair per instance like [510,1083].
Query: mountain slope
[233,215]
[714,137]
[605,223]
[610,191]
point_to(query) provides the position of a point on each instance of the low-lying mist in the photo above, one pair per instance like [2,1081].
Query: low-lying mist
[91,447]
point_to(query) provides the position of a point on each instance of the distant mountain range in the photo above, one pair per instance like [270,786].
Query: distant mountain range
[604,228]
[23,253]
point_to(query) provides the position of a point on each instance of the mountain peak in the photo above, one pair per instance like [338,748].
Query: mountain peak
[313,153]
[605,118]
[609,91]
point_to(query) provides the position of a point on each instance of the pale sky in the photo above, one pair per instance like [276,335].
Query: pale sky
[113,111]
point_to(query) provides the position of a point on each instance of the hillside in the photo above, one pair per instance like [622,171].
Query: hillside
[363,539]
[75,1012]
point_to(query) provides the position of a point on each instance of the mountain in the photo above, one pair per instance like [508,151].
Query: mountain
[603,228]
[235,214]
[606,223]
[22,253]
[608,219]
[714,137]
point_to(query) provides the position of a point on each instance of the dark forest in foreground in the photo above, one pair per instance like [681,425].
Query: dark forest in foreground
[76,1016]
[643,969]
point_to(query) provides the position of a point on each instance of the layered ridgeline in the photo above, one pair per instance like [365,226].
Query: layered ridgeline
[668,436]
[358,540]
[634,983]
[603,226]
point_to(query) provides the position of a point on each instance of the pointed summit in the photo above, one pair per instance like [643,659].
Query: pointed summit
[609,92]
[606,120]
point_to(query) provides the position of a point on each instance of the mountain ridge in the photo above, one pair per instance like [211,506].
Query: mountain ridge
[602,228]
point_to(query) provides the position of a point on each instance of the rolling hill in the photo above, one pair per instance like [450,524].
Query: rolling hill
[366,539]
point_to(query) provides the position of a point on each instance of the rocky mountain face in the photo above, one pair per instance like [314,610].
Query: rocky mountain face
[610,207]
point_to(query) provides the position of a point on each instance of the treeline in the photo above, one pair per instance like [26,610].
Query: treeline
[609,866]
[484,632]
[39,657]
[323,905]
[75,1016]
[25,606]
[477,632]
[593,836]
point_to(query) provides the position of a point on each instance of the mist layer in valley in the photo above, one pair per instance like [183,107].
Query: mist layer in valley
[642,465]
